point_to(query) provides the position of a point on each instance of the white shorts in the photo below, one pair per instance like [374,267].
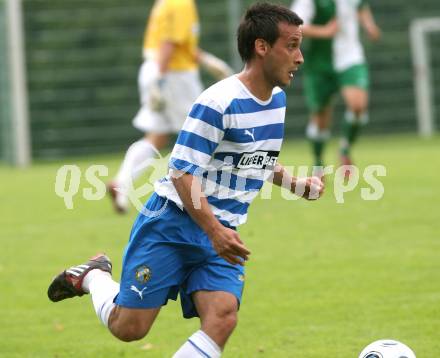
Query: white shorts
[180,89]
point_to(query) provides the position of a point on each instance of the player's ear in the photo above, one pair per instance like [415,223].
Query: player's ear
[261,47]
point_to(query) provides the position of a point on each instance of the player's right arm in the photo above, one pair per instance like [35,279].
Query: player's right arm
[326,31]
[368,23]
[201,133]
[306,10]
[309,188]
[225,241]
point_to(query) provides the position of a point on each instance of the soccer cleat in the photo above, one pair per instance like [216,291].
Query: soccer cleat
[119,203]
[69,282]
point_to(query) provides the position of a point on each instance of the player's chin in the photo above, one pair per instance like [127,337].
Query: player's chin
[285,82]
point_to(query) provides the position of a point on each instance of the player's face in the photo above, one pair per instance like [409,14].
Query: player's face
[284,56]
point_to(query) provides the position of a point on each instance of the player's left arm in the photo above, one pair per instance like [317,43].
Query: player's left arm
[310,188]
[368,23]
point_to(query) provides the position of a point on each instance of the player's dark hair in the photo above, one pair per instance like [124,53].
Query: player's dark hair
[261,22]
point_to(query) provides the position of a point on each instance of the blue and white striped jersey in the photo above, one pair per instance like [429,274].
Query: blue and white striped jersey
[231,141]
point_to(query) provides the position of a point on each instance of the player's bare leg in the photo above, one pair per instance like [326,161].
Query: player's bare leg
[356,101]
[218,316]
[131,324]
[94,277]
[138,158]
[159,141]
[318,133]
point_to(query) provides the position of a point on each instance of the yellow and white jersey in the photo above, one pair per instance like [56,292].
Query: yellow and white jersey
[176,21]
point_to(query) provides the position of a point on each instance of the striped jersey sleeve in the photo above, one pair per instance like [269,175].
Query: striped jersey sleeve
[199,138]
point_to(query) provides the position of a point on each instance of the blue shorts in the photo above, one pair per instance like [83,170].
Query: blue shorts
[169,254]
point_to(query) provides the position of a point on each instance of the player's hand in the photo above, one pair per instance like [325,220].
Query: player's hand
[331,28]
[310,188]
[157,99]
[228,245]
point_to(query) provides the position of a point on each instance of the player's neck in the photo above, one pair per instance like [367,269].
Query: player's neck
[256,83]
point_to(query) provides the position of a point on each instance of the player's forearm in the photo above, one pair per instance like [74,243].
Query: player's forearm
[368,23]
[310,188]
[318,31]
[194,201]
[166,51]
[283,179]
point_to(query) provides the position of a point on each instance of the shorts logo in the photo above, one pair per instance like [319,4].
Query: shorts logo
[139,292]
[241,278]
[143,274]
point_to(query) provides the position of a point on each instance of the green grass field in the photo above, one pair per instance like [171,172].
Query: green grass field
[324,279]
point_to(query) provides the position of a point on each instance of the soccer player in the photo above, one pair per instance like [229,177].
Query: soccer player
[186,241]
[168,85]
[336,62]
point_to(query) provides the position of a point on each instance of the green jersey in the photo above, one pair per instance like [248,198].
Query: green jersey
[318,53]
[344,49]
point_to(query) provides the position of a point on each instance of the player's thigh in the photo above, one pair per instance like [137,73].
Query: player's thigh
[215,275]
[354,83]
[158,140]
[323,117]
[355,98]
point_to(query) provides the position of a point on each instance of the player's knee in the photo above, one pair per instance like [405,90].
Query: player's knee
[230,321]
[131,332]
[226,320]
[358,107]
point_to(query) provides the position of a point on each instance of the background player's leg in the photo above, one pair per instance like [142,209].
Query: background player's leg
[138,158]
[356,101]
[318,133]
[218,315]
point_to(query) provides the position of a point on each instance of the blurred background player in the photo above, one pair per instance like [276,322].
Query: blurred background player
[168,84]
[335,62]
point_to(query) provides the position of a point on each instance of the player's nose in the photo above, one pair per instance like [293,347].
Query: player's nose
[299,59]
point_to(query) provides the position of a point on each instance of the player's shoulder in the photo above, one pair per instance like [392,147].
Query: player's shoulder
[221,93]
[231,90]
